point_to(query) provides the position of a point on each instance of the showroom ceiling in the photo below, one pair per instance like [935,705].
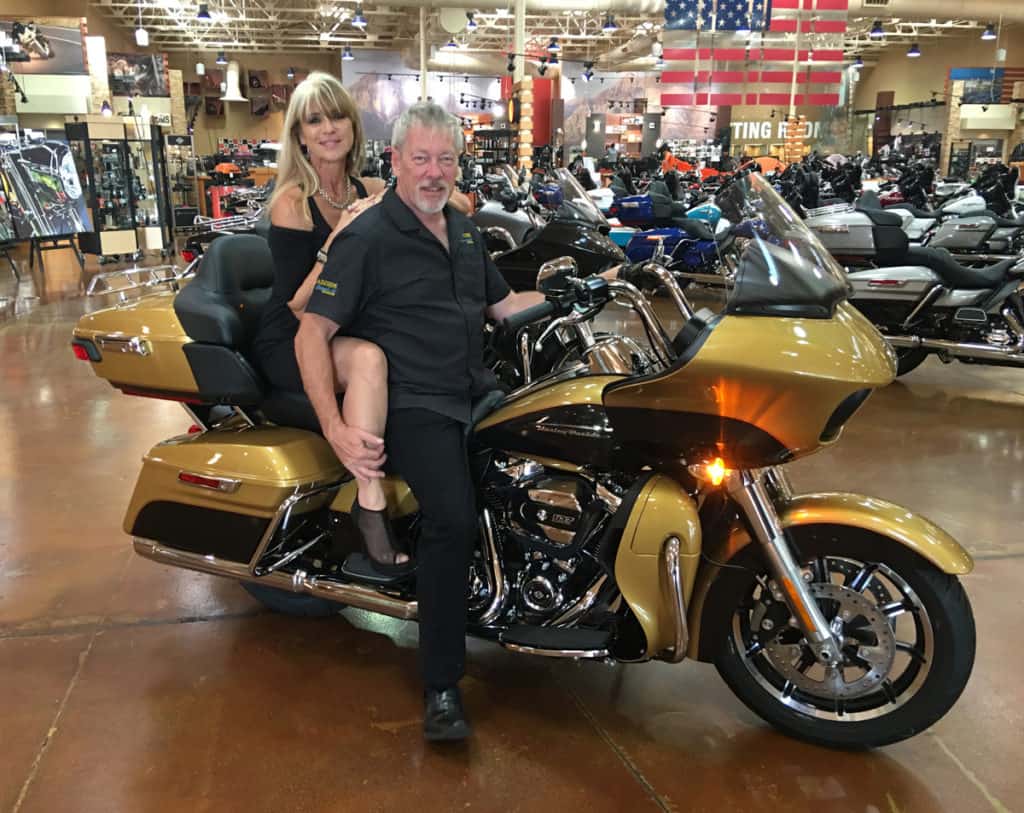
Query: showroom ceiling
[287,26]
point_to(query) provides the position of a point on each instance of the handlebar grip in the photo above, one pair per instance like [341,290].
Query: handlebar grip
[532,314]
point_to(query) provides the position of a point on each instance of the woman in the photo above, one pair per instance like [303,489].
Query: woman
[316,196]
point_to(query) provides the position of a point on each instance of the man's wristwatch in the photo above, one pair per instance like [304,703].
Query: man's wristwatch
[321,256]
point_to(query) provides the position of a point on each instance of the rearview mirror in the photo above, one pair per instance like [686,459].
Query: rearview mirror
[554,275]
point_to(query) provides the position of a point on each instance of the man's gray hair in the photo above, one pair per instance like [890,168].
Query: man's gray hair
[427,114]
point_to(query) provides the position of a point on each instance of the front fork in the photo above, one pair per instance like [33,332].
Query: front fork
[750,491]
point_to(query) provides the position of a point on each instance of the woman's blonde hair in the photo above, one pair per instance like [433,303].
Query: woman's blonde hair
[326,93]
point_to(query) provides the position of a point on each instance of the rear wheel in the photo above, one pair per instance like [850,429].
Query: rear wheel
[909,359]
[908,644]
[289,603]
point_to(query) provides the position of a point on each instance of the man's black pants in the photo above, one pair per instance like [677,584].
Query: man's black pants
[429,450]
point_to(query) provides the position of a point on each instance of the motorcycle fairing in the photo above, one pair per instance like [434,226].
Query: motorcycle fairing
[769,386]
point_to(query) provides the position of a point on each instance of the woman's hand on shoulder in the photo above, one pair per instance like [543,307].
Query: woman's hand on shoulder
[352,211]
[288,210]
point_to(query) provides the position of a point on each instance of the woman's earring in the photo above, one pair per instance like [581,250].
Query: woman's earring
[302,147]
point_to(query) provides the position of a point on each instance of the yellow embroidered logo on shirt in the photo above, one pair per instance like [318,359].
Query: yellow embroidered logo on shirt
[467,238]
[326,287]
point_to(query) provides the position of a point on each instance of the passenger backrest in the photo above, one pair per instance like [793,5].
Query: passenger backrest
[223,304]
[220,311]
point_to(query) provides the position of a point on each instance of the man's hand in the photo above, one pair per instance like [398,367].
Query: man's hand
[351,212]
[360,452]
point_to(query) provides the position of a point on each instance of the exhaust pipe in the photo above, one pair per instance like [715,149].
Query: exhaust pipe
[979,351]
[354,595]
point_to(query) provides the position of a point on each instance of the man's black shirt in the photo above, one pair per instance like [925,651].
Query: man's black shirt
[389,281]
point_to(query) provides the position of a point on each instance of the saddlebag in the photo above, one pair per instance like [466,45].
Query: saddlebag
[215,493]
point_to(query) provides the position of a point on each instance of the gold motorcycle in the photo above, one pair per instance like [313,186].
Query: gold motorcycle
[633,504]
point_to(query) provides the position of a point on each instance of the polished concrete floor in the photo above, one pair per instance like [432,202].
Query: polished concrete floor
[128,686]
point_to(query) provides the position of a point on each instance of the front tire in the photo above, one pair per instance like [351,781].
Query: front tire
[910,642]
[909,359]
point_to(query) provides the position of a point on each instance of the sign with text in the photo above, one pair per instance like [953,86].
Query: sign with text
[768,130]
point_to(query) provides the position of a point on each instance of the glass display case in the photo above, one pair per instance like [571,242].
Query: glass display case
[122,169]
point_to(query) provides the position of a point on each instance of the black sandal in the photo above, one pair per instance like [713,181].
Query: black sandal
[382,549]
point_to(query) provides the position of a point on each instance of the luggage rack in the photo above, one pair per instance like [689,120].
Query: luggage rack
[203,225]
[833,209]
[139,280]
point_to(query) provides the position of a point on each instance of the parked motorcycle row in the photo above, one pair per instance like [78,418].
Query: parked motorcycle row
[633,497]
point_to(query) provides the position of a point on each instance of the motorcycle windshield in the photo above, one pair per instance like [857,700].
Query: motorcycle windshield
[780,267]
[576,204]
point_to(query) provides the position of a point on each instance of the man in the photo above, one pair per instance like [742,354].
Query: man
[413,275]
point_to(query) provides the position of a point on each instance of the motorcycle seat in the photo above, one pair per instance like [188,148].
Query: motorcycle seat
[1001,222]
[880,217]
[697,229]
[955,275]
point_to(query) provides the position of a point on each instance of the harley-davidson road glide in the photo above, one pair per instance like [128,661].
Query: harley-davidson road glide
[633,505]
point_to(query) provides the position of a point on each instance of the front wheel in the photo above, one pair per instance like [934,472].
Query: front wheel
[909,359]
[908,644]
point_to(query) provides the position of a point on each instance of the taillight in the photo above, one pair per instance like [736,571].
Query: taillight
[216,483]
[85,350]
[195,429]
[188,255]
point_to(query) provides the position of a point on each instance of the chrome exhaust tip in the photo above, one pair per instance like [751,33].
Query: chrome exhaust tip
[353,595]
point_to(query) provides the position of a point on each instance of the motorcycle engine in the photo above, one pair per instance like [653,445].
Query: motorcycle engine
[551,524]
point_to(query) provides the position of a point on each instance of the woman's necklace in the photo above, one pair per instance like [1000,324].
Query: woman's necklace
[339,204]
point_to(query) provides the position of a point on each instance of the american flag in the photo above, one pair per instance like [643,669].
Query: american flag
[708,63]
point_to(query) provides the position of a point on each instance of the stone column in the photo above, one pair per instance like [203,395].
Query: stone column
[524,91]
[179,120]
[99,85]
[952,124]
[8,97]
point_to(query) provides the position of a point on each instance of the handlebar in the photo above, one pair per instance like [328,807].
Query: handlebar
[529,315]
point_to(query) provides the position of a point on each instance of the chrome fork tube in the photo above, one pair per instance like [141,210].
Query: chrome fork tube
[749,492]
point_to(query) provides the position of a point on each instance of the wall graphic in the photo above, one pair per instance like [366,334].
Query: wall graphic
[383,86]
[138,74]
[51,49]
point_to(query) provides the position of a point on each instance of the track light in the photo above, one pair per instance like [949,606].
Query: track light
[221,58]
[358,20]
[204,12]
[553,46]
[346,54]
[989,33]
[609,24]
[914,51]
[877,32]
[471,24]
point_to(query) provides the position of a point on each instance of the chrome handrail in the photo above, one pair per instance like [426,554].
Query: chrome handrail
[145,278]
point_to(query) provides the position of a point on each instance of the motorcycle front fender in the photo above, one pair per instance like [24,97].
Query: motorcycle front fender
[851,511]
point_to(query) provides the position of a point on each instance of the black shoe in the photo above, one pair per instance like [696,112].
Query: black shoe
[443,717]
[379,541]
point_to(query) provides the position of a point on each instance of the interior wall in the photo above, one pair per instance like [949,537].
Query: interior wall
[913,80]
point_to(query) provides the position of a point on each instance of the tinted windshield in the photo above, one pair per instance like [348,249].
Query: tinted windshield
[576,204]
[781,268]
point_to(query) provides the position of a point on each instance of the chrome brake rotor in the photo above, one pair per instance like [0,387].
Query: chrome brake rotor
[857,619]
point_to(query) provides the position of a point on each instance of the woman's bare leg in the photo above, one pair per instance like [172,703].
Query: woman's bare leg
[361,371]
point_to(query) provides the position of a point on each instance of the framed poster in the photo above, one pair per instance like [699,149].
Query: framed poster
[142,74]
[213,106]
[259,80]
[50,48]
[41,190]
[259,104]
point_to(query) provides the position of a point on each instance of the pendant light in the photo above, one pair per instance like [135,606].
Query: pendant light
[204,12]
[471,24]
[346,54]
[358,20]
[609,24]
[877,32]
[221,58]
[858,62]
[105,109]
[914,51]
[141,34]
[989,33]
[200,69]
[291,73]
